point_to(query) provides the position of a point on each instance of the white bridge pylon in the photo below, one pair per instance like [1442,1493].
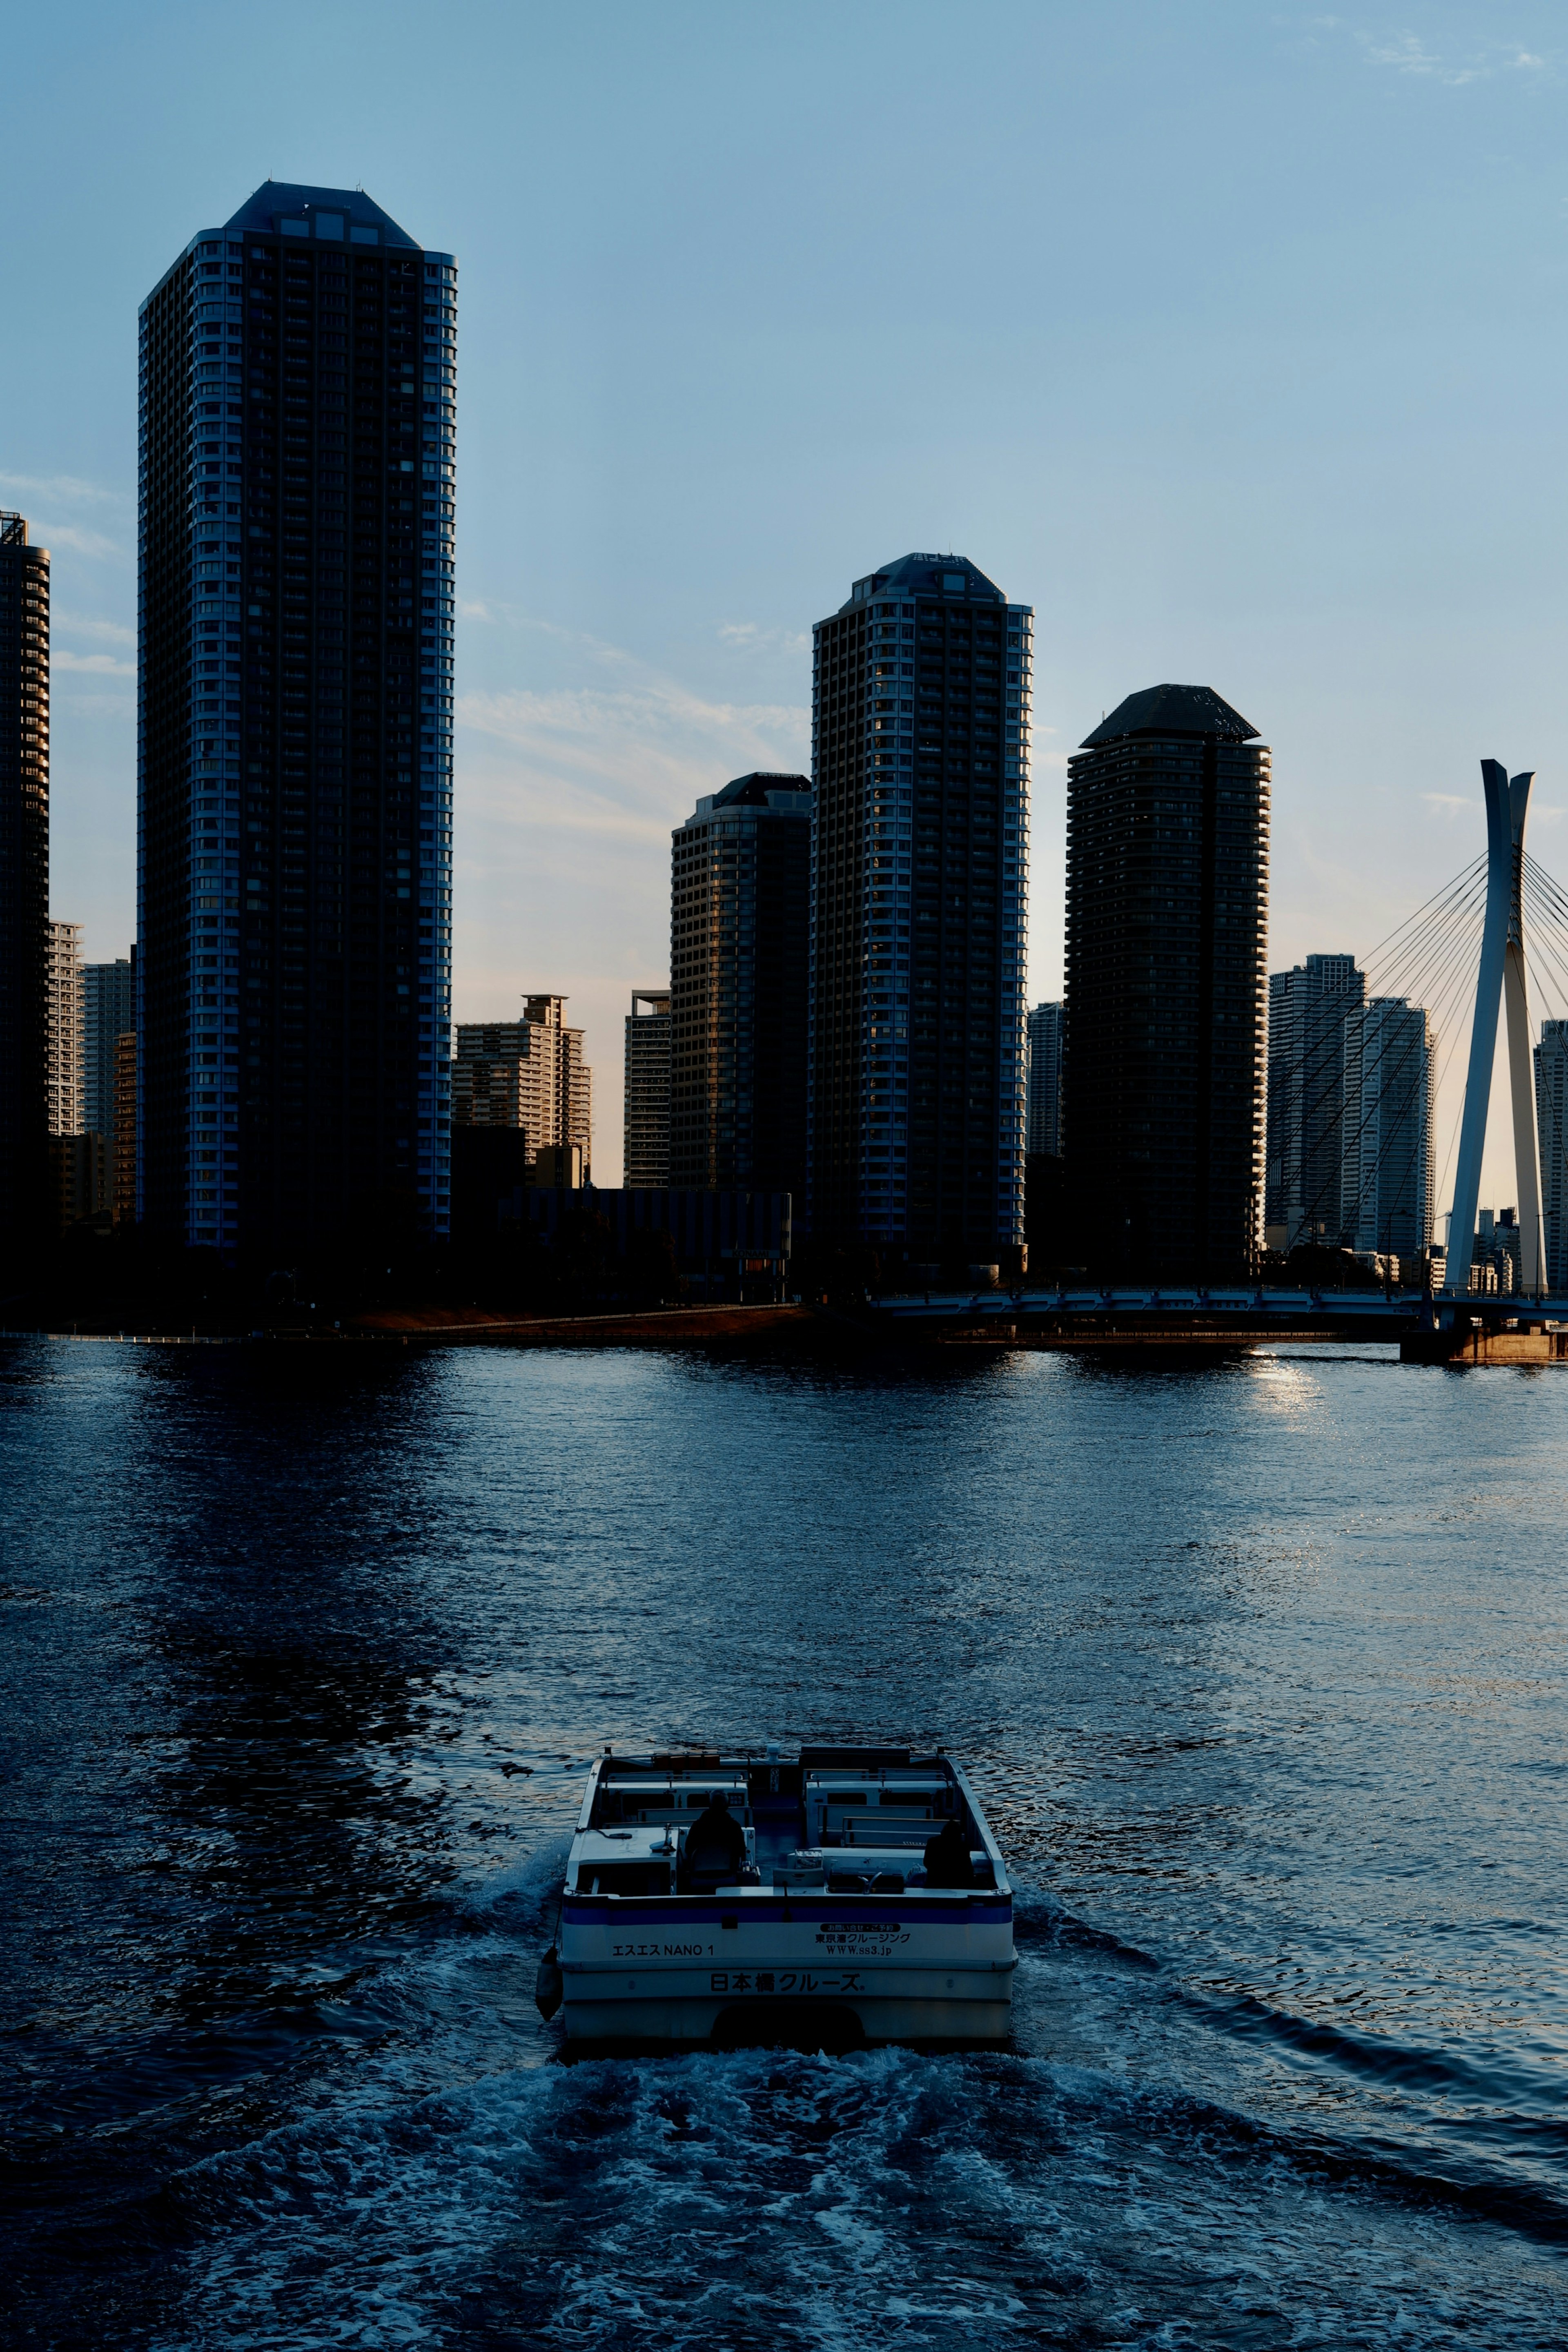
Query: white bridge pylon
[1502,975]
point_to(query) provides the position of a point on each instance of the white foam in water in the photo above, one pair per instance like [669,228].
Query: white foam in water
[751,2198]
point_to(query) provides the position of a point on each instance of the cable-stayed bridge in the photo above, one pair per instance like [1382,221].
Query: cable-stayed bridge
[1492,943]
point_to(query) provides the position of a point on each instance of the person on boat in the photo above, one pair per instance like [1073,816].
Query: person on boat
[947,1860]
[716,1842]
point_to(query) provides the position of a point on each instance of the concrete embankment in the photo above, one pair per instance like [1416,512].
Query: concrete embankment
[662,1326]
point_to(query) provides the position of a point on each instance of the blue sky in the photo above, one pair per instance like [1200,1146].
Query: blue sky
[1231,338]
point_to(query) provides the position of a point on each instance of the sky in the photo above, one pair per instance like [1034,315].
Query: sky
[1232,339]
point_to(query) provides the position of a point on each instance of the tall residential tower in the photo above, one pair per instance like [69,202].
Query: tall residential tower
[24,878]
[739,936]
[1306,1130]
[920,846]
[297,374]
[1168,908]
[645,1135]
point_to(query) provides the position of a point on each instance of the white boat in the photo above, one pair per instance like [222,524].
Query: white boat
[831,1930]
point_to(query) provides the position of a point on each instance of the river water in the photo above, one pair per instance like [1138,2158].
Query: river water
[1259,1664]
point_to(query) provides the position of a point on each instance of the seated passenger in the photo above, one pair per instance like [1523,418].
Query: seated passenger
[716,1842]
[947,1860]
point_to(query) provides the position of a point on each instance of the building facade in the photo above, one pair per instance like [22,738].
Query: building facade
[1045,1082]
[297,387]
[919,895]
[528,1074]
[1167,904]
[24,878]
[1388,1165]
[645,1144]
[1552,1130]
[66,1010]
[125,1100]
[740,878]
[1305,1146]
[109,1009]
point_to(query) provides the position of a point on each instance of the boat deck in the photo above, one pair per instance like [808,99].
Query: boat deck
[833,1906]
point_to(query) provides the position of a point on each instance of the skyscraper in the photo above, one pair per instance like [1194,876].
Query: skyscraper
[919,847]
[108,1011]
[528,1074]
[1045,1081]
[1388,1172]
[24,877]
[1551,1129]
[298,416]
[64,1029]
[739,936]
[1167,901]
[645,1146]
[1306,1132]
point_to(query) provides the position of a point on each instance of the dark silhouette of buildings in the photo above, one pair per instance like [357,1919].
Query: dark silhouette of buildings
[24,878]
[109,1009]
[1045,1082]
[646,1134]
[297,387]
[739,937]
[1167,892]
[1306,1130]
[921,698]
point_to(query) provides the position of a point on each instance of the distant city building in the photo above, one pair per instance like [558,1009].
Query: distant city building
[24,877]
[527,1074]
[920,853]
[125,1127]
[1552,1130]
[1045,1081]
[1305,1149]
[1388,1161]
[82,1179]
[108,1008]
[645,1146]
[1168,903]
[64,1029]
[740,880]
[295,754]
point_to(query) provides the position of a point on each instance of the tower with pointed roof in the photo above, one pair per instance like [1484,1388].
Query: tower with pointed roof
[919,899]
[1167,904]
[297,388]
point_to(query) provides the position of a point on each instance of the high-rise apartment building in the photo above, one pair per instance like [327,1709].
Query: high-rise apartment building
[645,1144]
[1388,1167]
[123,1163]
[24,877]
[66,1012]
[919,895]
[527,1073]
[297,372]
[1167,901]
[1306,1136]
[109,1009]
[739,940]
[1552,1131]
[1045,1081]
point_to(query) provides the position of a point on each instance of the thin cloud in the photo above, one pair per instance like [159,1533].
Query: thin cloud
[1408,53]
[95,665]
[91,544]
[76,624]
[71,488]
[753,637]
[1447,800]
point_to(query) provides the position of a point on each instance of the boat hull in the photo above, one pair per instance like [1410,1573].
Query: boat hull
[668,1972]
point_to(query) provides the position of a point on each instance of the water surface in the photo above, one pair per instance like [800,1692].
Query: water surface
[1257,1662]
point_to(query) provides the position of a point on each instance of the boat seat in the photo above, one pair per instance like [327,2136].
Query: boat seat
[885,1828]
